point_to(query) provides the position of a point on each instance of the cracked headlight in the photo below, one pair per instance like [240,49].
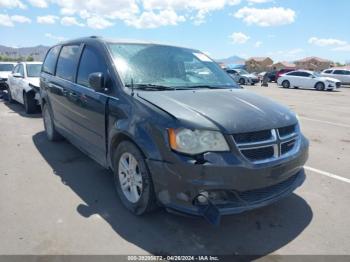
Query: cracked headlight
[196,141]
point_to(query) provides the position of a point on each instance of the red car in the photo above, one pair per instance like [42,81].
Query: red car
[283,71]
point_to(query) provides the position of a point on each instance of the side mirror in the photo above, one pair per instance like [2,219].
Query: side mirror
[18,75]
[97,81]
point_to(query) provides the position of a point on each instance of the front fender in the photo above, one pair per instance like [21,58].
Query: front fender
[148,138]
[27,88]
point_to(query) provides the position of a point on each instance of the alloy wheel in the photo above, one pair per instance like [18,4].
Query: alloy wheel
[130,177]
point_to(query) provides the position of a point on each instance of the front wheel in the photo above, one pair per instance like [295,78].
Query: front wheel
[49,125]
[132,179]
[29,103]
[320,86]
[285,84]
[9,96]
[242,81]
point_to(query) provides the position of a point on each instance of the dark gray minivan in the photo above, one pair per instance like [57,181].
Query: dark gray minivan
[174,128]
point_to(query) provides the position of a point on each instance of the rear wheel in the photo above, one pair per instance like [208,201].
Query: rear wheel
[320,86]
[29,102]
[285,84]
[49,125]
[132,179]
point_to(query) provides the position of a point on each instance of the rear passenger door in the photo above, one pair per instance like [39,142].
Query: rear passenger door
[60,85]
[88,106]
[293,78]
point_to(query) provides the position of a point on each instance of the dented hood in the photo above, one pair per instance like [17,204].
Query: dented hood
[229,110]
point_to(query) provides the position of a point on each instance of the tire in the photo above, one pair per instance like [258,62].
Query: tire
[49,125]
[29,102]
[241,81]
[286,84]
[320,86]
[138,193]
[9,96]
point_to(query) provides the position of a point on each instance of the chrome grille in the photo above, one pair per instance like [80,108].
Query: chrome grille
[267,145]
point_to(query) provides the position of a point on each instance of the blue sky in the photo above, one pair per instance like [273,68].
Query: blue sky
[285,30]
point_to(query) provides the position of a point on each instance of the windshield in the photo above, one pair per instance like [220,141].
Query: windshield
[6,67]
[148,64]
[316,74]
[242,72]
[33,70]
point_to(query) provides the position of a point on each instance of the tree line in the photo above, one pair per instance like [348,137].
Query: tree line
[5,58]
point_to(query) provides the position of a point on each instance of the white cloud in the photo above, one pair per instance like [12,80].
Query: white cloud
[258,44]
[39,3]
[12,4]
[274,16]
[344,48]
[98,22]
[47,19]
[326,41]
[20,19]
[69,21]
[239,38]
[259,1]
[9,21]
[67,11]
[55,37]
[144,13]
[154,20]
[5,20]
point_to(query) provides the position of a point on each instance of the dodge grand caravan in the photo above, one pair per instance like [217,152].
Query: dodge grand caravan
[174,128]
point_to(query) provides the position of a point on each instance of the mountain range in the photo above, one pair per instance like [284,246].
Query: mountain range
[37,52]
[232,60]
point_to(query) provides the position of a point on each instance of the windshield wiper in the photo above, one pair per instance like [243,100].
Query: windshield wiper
[209,87]
[150,86]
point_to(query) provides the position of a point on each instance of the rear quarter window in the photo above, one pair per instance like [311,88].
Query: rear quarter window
[67,62]
[50,60]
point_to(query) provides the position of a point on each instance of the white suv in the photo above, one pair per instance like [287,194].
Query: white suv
[343,75]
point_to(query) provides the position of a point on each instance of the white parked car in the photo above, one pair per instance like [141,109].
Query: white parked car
[243,77]
[343,75]
[5,69]
[308,79]
[23,85]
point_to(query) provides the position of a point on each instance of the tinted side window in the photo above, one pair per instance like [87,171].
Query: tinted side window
[50,60]
[338,72]
[304,74]
[67,61]
[346,72]
[328,71]
[231,71]
[91,62]
[293,74]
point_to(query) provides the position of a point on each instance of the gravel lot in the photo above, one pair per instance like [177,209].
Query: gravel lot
[55,200]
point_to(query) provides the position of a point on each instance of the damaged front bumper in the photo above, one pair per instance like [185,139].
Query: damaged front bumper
[227,185]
